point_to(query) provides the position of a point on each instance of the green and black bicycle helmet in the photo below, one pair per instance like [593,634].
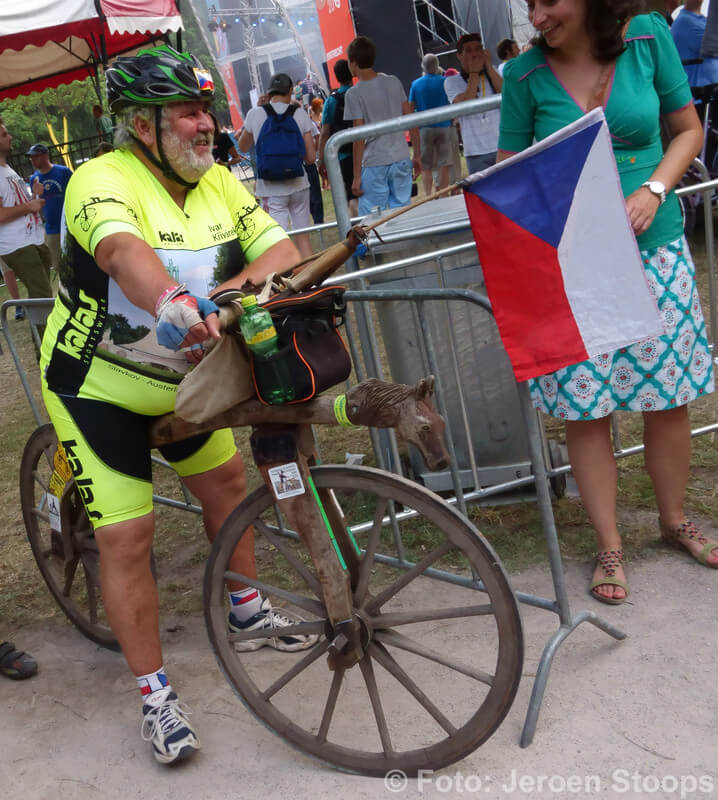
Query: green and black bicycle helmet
[156,76]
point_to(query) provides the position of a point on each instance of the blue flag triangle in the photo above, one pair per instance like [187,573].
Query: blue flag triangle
[552,176]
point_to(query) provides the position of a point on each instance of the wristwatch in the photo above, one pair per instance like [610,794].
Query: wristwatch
[658,189]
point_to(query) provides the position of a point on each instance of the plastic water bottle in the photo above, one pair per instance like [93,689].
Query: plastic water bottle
[260,335]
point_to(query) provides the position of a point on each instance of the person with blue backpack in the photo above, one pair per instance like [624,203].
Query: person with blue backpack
[282,135]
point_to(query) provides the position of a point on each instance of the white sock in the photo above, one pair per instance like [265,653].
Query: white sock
[245,603]
[152,683]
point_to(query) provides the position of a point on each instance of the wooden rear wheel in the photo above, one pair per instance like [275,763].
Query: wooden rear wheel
[68,559]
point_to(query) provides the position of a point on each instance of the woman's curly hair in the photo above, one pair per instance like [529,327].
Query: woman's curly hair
[604,22]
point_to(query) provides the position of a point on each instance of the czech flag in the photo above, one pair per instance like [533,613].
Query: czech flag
[204,80]
[561,264]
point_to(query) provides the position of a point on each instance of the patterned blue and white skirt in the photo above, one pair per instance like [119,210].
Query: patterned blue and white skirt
[651,375]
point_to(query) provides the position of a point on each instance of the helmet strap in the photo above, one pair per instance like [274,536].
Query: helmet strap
[162,163]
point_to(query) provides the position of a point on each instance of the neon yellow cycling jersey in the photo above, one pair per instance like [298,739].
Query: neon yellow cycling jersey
[94,333]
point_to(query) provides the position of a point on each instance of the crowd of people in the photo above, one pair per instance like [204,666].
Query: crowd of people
[171,171]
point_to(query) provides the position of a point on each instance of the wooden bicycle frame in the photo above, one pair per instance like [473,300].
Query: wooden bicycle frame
[282,441]
[283,449]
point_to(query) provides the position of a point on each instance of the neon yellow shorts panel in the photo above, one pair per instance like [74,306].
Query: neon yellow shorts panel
[109,452]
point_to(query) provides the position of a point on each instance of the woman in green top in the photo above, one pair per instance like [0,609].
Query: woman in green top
[592,53]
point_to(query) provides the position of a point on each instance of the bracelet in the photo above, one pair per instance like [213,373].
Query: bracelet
[166,295]
[340,411]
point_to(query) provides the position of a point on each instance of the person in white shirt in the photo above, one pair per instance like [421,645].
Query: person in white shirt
[284,200]
[22,232]
[478,78]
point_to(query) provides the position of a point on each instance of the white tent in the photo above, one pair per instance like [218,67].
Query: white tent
[496,19]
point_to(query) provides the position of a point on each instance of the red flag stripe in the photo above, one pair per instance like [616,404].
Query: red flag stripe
[525,285]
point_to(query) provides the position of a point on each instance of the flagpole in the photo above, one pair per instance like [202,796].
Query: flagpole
[362,230]
[415,204]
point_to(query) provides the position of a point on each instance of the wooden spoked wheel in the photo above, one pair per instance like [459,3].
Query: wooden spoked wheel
[441,661]
[68,559]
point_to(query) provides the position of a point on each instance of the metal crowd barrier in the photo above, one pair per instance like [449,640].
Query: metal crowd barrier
[418,120]
[559,604]
[364,346]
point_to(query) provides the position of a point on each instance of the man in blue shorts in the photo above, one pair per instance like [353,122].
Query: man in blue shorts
[382,166]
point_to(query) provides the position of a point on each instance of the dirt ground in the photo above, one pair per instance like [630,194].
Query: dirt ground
[628,719]
[631,719]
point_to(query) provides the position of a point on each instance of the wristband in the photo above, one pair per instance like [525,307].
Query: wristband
[340,411]
[167,295]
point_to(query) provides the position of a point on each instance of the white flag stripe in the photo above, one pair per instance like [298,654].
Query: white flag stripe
[591,118]
[604,279]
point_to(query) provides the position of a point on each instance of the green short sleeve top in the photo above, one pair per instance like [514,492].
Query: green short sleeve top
[648,80]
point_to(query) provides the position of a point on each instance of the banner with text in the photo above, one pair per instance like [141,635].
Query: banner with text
[337,27]
[226,68]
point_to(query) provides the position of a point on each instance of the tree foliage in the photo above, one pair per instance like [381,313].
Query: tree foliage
[121,332]
[27,118]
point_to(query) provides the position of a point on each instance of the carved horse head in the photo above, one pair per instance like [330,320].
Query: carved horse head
[420,424]
[408,409]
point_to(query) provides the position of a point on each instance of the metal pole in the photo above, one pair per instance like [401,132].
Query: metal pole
[308,57]
[248,39]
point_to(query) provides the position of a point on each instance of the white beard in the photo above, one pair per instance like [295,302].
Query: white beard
[188,164]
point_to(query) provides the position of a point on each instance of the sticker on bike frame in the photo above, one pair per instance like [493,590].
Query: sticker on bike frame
[286,480]
[53,511]
[61,473]
[62,467]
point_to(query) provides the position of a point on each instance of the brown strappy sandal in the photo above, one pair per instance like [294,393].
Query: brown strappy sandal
[688,531]
[609,561]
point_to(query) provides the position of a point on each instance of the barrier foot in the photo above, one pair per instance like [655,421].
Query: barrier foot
[542,672]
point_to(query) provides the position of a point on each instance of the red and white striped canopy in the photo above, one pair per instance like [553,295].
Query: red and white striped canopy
[47,43]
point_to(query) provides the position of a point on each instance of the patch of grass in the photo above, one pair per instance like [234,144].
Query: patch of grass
[180,598]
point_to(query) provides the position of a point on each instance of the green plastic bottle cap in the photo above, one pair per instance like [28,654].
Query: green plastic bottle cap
[248,300]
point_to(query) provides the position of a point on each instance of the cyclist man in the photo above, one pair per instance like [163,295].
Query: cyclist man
[152,229]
